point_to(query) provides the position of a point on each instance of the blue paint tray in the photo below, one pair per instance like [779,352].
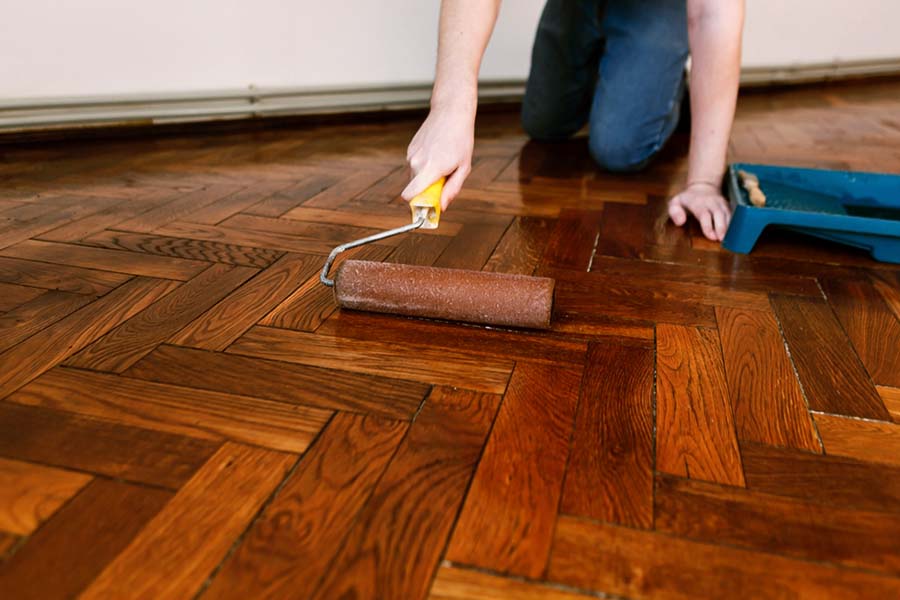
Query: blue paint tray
[857,209]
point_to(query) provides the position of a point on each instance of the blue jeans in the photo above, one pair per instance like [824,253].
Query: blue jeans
[618,64]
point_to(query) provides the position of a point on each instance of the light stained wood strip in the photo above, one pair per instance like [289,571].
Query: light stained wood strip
[870,441]
[694,424]
[293,542]
[106,260]
[30,494]
[236,313]
[57,342]
[91,282]
[891,398]
[457,583]
[176,409]
[128,343]
[178,549]
[401,361]
[610,471]
[412,509]
[33,316]
[506,524]
[768,404]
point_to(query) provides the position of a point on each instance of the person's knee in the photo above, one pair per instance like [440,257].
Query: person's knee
[618,151]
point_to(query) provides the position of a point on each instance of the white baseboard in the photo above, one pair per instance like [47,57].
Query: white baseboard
[41,114]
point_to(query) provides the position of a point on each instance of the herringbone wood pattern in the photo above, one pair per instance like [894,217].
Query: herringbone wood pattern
[184,413]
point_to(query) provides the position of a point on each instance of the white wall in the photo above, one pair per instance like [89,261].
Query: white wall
[95,47]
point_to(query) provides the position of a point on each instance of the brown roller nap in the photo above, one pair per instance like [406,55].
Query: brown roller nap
[451,294]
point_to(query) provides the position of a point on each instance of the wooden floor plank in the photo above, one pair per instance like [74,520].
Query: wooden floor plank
[133,339]
[610,473]
[37,314]
[176,409]
[639,564]
[891,398]
[472,246]
[13,296]
[455,583]
[872,328]
[419,249]
[218,211]
[282,242]
[290,546]
[833,378]
[30,494]
[322,232]
[870,441]
[241,309]
[183,205]
[694,424]
[364,219]
[506,524]
[407,361]
[70,441]
[768,404]
[571,245]
[521,247]
[217,504]
[54,211]
[57,342]
[106,260]
[282,381]
[348,187]
[78,229]
[59,277]
[716,514]
[64,555]
[413,507]
[286,198]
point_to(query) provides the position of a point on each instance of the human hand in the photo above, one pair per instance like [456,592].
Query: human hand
[441,148]
[704,200]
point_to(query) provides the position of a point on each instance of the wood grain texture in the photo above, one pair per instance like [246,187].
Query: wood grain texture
[106,260]
[407,361]
[126,344]
[289,548]
[871,441]
[833,378]
[891,398]
[610,473]
[282,382]
[72,231]
[638,564]
[181,206]
[768,404]
[229,236]
[472,246]
[62,439]
[571,245]
[59,277]
[176,409]
[223,208]
[321,232]
[412,509]
[694,422]
[455,583]
[30,494]
[54,344]
[872,328]
[374,220]
[236,313]
[164,560]
[37,314]
[64,555]
[506,524]
[286,198]
[419,249]
[13,296]
[711,513]
[348,187]
[521,247]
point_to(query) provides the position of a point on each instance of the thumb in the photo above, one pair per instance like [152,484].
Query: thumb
[676,211]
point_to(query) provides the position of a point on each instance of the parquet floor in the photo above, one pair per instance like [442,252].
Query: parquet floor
[183,413]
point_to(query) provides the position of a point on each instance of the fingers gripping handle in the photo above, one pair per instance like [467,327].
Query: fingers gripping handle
[428,204]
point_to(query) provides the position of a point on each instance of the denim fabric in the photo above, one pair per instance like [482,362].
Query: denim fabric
[617,64]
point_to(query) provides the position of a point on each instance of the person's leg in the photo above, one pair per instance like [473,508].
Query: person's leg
[641,81]
[563,69]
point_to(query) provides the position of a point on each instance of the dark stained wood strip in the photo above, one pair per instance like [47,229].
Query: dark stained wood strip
[126,344]
[455,583]
[768,404]
[640,564]
[400,361]
[73,231]
[59,277]
[57,342]
[218,211]
[831,480]
[388,189]
[350,186]
[472,246]
[237,312]
[50,213]
[220,500]
[506,524]
[31,493]
[64,555]
[419,249]
[601,326]
[181,207]
[694,424]
[8,544]
[872,328]
[184,248]
[282,381]
[13,296]
[106,260]
[245,237]
[871,441]
[571,244]
[610,473]
[412,509]
[66,440]
[291,545]
[322,232]
[36,315]
[176,409]
[521,247]
[767,523]
[283,200]
[833,378]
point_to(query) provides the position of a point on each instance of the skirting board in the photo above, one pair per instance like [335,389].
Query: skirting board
[42,114]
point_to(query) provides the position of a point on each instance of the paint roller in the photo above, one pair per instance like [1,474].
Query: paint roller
[448,294]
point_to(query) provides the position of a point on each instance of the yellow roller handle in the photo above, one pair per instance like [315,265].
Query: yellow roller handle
[428,203]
